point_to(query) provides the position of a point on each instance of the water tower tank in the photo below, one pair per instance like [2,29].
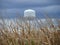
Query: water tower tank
[29,13]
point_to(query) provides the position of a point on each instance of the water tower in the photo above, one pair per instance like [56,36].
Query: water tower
[29,14]
[30,17]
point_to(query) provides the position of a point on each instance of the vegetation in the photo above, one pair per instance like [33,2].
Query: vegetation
[45,35]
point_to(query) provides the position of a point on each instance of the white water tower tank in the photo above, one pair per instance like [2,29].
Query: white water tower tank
[29,13]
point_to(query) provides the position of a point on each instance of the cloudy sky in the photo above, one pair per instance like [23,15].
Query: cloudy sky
[13,8]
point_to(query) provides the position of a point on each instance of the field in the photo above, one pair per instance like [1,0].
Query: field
[26,36]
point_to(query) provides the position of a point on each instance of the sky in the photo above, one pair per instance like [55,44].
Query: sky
[15,8]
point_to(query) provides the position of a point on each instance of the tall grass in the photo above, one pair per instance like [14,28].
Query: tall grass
[25,36]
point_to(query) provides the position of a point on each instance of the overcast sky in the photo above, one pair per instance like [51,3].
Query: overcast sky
[10,8]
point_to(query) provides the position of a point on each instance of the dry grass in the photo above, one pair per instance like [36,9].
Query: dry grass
[42,36]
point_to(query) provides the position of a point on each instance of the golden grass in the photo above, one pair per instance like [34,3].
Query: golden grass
[42,36]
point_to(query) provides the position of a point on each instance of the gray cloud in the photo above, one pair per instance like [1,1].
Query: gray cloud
[12,7]
[52,11]
[28,3]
